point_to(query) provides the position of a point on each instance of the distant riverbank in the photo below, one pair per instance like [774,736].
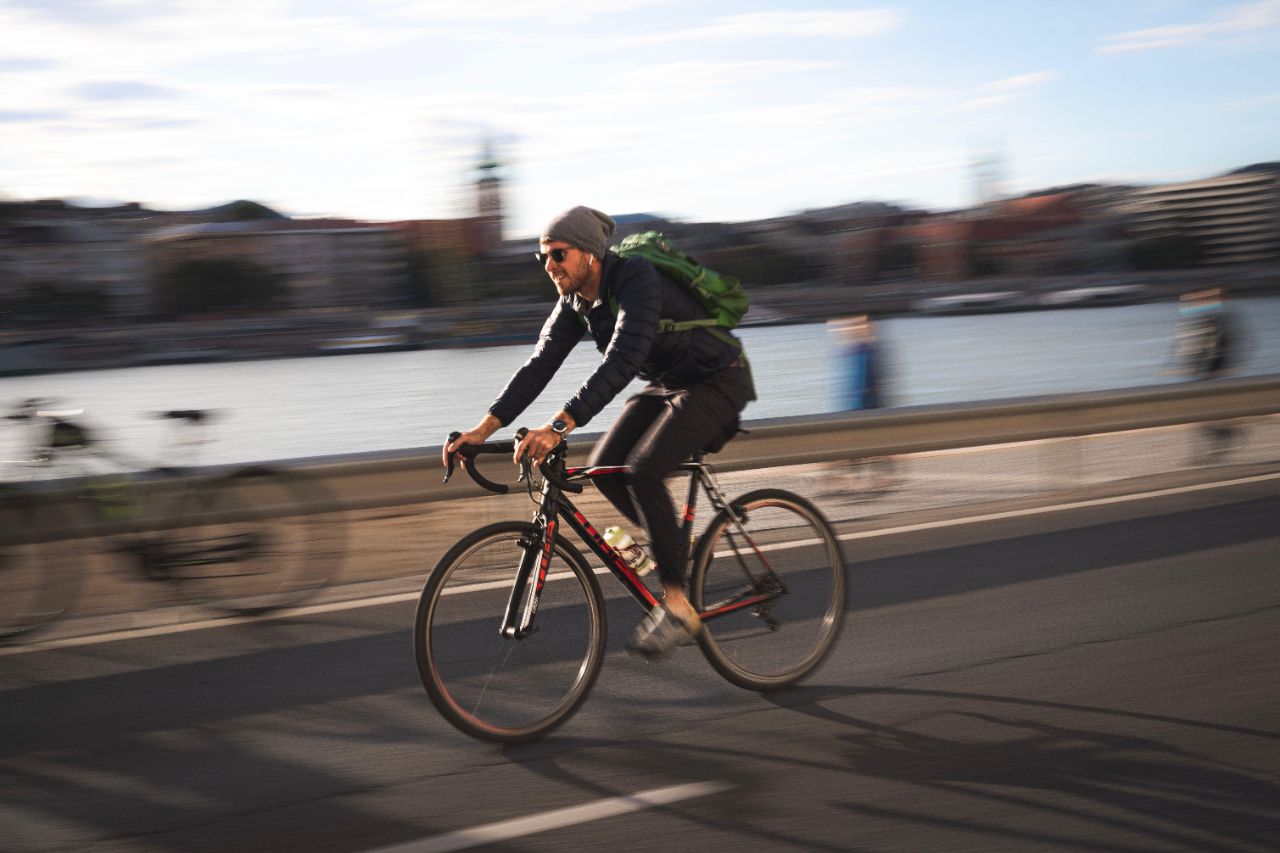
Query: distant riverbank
[231,339]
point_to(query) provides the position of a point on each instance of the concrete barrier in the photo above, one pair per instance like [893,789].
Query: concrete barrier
[414,475]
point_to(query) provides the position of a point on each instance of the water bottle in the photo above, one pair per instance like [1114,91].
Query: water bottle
[631,552]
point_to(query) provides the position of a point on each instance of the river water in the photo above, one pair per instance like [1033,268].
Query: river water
[289,408]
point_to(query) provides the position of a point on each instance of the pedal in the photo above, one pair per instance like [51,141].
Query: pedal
[763,615]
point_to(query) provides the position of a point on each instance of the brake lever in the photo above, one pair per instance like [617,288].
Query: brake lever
[526,466]
[449,457]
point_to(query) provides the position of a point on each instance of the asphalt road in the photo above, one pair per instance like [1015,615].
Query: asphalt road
[1097,677]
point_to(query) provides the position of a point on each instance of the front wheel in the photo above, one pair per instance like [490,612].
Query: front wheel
[769,578]
[500,688]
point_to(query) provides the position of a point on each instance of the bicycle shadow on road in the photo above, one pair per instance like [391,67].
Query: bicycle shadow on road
[975,769]
[1057,764]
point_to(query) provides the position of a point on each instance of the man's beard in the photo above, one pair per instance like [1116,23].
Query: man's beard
[569,284]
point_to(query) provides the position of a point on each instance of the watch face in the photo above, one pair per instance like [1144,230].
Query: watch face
[559,426]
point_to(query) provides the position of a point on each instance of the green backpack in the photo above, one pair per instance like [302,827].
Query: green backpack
[721,295]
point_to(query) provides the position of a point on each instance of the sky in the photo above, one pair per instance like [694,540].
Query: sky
[700,110]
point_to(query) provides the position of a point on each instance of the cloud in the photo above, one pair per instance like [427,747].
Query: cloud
[452,11]
[1003,91]
[850,109]
[123,90]
[12,64]
[170,34]
[914,163]
[1021,81]
[1238,20]
[18,116]
[689,77]
[309,91]
[858,23]
[984,102]
[89,11]
[163,123]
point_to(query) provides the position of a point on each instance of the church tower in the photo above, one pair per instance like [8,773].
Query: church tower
[989,177]
[488,189]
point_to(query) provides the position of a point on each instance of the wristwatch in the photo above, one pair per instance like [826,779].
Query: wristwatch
[559,427]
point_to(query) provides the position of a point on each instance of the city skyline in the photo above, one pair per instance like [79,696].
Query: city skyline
[699,111]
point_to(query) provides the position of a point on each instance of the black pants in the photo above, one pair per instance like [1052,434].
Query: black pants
[658,429]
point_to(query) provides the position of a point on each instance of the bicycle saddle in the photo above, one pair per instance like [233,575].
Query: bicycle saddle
[194,416]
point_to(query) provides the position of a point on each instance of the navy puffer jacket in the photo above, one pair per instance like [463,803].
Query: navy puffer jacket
[630,342]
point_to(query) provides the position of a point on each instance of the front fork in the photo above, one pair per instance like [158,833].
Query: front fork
[531,576]
[522,606]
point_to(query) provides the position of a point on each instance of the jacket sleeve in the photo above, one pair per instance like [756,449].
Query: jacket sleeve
[638,294]
[560,333]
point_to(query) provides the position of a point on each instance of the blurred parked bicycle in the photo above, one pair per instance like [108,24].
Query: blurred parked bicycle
[243,541]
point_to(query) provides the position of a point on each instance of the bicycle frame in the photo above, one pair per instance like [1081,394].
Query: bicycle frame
[522,606]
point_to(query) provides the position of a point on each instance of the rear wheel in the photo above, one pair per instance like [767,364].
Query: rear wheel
[40,562]
[769,578]
[500,688]
[257,540]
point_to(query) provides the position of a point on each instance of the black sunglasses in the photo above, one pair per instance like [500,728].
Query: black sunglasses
[557,255]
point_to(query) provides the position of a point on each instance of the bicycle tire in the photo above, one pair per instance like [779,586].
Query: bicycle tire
[256,540]
[496,688]
[789,536]
[39,562]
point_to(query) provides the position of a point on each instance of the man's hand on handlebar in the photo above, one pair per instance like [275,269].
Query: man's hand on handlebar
[452,447]
[538,443]
[478,434]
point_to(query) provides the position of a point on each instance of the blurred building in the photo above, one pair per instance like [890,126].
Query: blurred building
[1043,234]
[463,238]
[836,244]
[330,263]
[85,259]
[1025,236]
[1234,218]
[60,263]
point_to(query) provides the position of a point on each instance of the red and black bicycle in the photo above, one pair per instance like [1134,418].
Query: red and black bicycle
[510,632]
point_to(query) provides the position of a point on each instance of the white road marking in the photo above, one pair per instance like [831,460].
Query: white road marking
[355,604]
[505,830]
[1091,502]
[203,624]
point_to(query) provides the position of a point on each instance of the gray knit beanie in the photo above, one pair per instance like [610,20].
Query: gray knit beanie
[582,227]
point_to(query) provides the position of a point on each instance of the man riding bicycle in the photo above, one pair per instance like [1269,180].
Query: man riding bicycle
[699,383]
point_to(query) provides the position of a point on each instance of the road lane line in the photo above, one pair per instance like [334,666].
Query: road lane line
[203,624]
[1040,510]
[505,830]
[396,598]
